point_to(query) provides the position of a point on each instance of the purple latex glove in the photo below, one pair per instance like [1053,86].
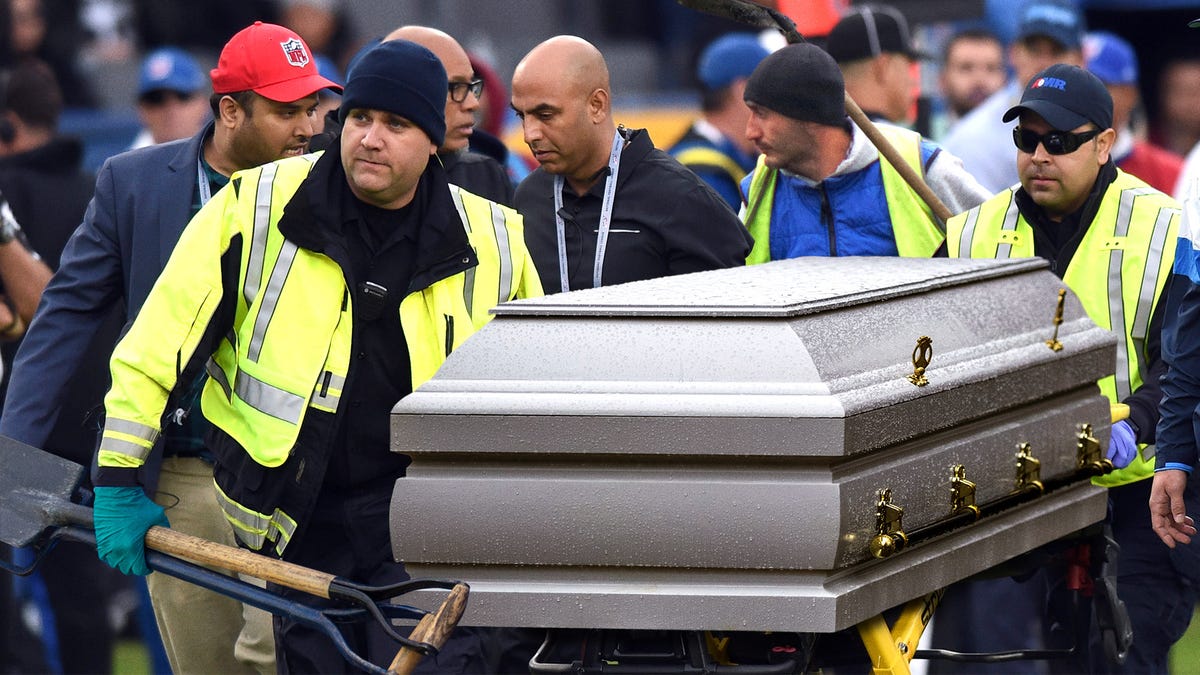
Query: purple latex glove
[1123,447]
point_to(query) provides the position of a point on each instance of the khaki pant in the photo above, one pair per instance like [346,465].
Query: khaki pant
[203,631]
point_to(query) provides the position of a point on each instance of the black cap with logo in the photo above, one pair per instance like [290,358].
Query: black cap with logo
[1066,97]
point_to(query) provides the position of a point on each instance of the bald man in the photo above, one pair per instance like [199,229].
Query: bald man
[600,187]
[477,172]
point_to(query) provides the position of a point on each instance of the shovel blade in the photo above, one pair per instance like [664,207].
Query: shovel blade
[34,486]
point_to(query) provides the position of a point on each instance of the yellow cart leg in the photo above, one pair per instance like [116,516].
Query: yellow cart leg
[891,649]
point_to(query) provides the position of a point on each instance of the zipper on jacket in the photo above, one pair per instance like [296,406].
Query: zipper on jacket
[449,333]
[325,383]
[827,218]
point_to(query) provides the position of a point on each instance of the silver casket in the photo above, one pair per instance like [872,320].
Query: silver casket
[754,448]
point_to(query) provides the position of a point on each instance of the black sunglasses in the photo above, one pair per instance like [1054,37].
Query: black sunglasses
[458,90]
[1056,142]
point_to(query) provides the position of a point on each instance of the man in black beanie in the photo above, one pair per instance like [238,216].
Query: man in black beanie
[317,291]
[820,186]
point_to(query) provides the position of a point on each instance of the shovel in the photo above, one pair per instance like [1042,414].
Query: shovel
[759,16]
[35,510]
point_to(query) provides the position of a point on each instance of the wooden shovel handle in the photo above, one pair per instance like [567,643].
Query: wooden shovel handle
[432,629]
[902,167]
[239,560]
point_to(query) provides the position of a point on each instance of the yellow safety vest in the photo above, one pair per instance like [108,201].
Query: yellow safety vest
[506,270]
[288,349]
[913,224]
[1118,272]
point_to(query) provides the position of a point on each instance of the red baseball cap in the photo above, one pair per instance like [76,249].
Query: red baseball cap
[271,61]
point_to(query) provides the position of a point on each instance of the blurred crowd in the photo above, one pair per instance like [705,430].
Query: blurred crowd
[965,56]
[949,78]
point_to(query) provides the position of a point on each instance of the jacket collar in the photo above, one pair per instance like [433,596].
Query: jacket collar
[1081,218]
[637,146]
[189,150]
[1058,241]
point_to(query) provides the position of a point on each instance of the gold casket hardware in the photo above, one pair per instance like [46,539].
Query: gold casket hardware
[962,492]
[889,537]
[921,356]
[1053,342]
[1089,457]
[1029,470]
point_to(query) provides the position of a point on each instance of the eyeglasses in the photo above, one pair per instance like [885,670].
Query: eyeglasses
[1055,142]
[458,90]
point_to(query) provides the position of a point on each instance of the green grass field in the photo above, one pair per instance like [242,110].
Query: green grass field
[1185,656]
[129,658]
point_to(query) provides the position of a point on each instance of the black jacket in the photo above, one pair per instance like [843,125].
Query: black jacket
[48,191]
[479,174]
[665,221]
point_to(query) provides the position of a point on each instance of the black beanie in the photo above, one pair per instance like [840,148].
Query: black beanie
[800,81]
[403,78]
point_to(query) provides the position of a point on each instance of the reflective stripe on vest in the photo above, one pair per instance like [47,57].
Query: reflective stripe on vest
[1118,272]
[270,298]
[913,225]
[486,224]
[256,529]
[127,443]
[258,238]
[469,282]
[329,392]
[273,401]
[711,157]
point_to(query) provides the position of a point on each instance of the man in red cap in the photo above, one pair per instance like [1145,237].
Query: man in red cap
[265,92]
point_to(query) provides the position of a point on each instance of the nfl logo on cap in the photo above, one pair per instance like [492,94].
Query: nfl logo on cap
[294,51]
[250,61]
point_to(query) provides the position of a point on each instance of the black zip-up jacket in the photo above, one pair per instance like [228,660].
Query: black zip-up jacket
[665,221]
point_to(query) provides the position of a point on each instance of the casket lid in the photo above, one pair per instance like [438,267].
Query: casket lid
[771,290]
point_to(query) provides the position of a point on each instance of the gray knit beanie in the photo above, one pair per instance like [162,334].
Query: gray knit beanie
[800,81]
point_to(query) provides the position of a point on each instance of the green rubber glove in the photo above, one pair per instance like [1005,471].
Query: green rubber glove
[122,516]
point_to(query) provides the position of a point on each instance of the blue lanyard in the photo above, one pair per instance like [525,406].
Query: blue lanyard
[610,191]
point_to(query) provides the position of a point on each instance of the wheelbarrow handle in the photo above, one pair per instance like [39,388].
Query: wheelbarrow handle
[433,629]
[233,559]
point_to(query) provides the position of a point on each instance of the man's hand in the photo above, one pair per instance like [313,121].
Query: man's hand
[122,516]
[1167,513]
